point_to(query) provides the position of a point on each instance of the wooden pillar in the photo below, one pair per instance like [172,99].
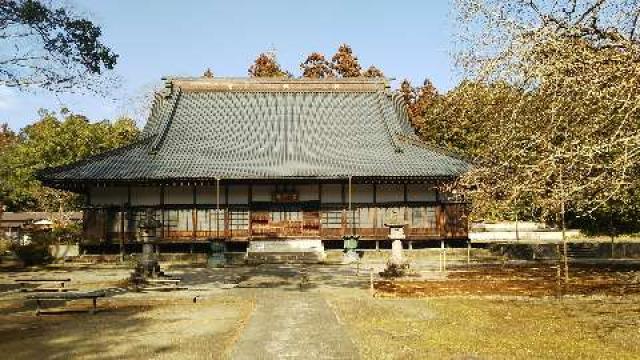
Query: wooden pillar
[217,208]
[344,210]
[162,221]
[250,199]
[351,212]
[122,229]
[226,232]
[440,216]
[375,214]
[128,213]
[194,213]
[405,197]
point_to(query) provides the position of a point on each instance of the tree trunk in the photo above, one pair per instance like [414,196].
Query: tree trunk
[564,246]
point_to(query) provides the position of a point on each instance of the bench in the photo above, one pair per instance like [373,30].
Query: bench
[163,281]
[39,281]
[67,297]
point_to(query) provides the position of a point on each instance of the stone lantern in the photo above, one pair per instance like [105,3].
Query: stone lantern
[149,266]
[396,234]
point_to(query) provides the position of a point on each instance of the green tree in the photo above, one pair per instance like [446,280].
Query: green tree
[7,137]
[54,142]
[51,48]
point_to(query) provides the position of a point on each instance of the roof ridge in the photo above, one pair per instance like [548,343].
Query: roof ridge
[385,115]
[278,85]
[40,174]
[165,125]
[415,140]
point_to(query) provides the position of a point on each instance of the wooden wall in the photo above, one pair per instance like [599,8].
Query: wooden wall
[189,213]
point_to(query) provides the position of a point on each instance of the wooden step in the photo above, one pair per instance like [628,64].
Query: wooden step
[288,257]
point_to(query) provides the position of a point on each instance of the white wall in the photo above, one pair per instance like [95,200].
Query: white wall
[178,195]
[207,195]
[239,194]
[108,196]
[145,196]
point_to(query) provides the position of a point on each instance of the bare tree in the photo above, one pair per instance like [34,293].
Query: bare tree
[571,141]
[48,47]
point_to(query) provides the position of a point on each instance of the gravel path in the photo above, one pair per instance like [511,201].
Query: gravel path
[293,324]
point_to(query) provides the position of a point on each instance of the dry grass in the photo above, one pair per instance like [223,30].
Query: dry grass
[129,328]
[521,280]
[491,328]
[497,312]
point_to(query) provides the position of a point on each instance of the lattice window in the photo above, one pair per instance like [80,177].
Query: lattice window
[366,217]
[382,215]
[239,219]
[423,217]
[332,219]
[178,220]
[207,220]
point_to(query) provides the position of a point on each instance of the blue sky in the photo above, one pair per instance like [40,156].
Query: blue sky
[405,39]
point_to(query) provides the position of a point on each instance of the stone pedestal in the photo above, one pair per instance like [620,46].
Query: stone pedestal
[350,245]
[397,257]
[216,257]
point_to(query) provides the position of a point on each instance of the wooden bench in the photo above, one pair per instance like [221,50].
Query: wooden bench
[163,281]
[161,285]
[40,281]
[67,297]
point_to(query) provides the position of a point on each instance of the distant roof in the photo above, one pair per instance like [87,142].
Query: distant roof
[19,218]
[248,128]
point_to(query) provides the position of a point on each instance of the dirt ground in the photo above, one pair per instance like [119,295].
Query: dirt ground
[162,325]
[274,312]
[527,279]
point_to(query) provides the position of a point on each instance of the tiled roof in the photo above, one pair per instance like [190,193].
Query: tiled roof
[249,129]
[33,216]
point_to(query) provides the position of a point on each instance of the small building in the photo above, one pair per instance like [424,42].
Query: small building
[246,160]
[13,225]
